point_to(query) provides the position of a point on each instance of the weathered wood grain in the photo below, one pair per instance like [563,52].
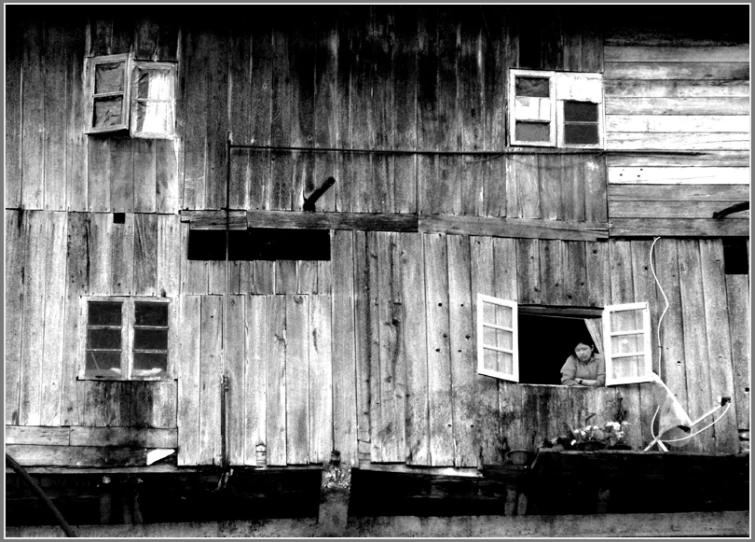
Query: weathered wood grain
[719,360]
[210,360]
[676,70]
[438,350]
[145,254]
[14,42]
[552,176]
[258,337]
[674,140]
[712,106]
[16,239]
[76,139]
[122,188]
[123,436]
[78,456]
[33,111]
[513,227]
[276,427]
[285,277]
[235,363]
[54,52]
[216,277]
[694,324]
[145,175]
[193,272]
[98,175]
[297,376]
[320,381]
[122,256]
[669,209]
[679,175]
[676,88]
[675,192]
[428,99]
[528,271]
[463,353]
[37,435]
[551,272]
[575,285]
[680,227]
[324,277]
[371,346]
[734,53]
[54,309]
[217,120]
[703,158]
[522,187]
[739,333]
[413,344]
[677,123]
[168,255]
[306,277]
[263,277]
[334,221]
[100,268]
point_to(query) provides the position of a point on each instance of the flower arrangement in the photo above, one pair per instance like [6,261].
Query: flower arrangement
[611,434]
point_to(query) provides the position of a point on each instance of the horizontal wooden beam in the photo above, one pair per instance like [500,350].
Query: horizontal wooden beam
[38,435]
[332,221]
[514,227]
[403,468]
[78,456]
[678,192]
[571,312]
[215,220]
[124,436]
[680,227]
[671,159]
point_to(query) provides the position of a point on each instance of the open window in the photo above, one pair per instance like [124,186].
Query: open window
[124,95]
[529,344]
[556,109]
[126,338]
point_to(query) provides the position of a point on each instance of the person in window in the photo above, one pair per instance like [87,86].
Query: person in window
[584,367]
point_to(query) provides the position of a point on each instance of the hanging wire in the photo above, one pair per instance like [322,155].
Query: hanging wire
[685,437]
[660,320]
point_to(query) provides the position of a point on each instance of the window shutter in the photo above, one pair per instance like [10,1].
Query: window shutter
[532,108]
[579,109]
[153,107]
[497,338]
[626,341]
[108,92]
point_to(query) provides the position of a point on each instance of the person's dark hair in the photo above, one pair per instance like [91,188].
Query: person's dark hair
[589,342]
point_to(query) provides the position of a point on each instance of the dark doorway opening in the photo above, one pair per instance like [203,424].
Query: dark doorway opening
[544,344]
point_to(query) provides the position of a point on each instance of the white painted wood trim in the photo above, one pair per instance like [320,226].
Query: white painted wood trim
[608,355]
[514,376]
[679,175]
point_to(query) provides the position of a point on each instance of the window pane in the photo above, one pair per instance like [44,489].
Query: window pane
[580,111]
[534,87]
[154,84]
[533,131]
[155,117]
[630,320]
[498,361]
[150,364]
[497,337]
[150,314]
[108,78]
[104,313]
[581,134]
[504,316]
[625,344]
[628,367]
[103,364]
[104,338]
[150,339]
[108,112]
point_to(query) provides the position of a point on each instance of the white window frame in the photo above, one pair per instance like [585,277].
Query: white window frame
[609,356]
[516,107]
[564,86]
[127,337]
[129,93]
[481,369]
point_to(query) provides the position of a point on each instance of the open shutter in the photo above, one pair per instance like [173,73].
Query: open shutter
[532,109]
[497,338]
[579,109]
[153,108]
[108,92]
[626,338]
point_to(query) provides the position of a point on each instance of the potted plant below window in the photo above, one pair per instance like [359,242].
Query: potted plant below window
[593,437]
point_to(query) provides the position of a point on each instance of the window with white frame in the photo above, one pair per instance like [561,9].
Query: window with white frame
[530,344]
[125,338]
[556,109]
[124,94]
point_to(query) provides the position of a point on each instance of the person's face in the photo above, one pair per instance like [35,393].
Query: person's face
[583,352]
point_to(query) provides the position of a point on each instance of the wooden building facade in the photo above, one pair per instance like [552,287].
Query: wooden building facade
[372,351]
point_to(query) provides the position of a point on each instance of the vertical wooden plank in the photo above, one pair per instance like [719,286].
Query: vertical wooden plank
[495,51]
[283,171]
[414,329]
[239,277]
[14,43]
[522,187]
[145,175]
[463,358]
[52,358]
[363,336]
[234,342]
[145,254]
[165,404]
[34,322]
[594,176]
[302,64]
[285,276]
[217,119]
[122,257]
[16,239]
[528,271]
[168,255]
[276,428]
[297,380]
[216,277]
[551,174]
[404,62]
[98,175]
[55,52]
[167,40]
[344,348]
[100,268]
[166,175]
[260,182]
[428,134]
[697,367]
[210,367]
[551,272]
[737,293]
[145,42]
[573,187]
[193,272]
[192,124]
[76,139]
[306,277]
[379,442]
[263,277]
[324,277]
[122,175]
[486,388]
[189,381]
[320,379]
[33,113]
[726,436]
[598,281]
[259,343]
[574,255]
[438,344]
[282,118]
[471,84]
[240,95]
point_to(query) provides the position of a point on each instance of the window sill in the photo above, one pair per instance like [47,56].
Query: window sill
[82,378]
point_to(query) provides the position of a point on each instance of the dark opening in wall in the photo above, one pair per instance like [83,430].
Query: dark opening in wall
[260,244]
[736,261]
[119,218]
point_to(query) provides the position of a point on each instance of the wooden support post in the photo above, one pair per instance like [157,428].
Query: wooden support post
[335,492]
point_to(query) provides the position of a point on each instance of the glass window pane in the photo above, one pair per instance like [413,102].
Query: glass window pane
[628,367]
[150,314]
[104,313]
[108,112]
[625,344]
[104,338]
[504,316]
[155,117]
[103,364]
[108,77]
[580,111]
[533,131]
[150,339]
[581,134]
[150,364]
[626,320]
[154,84]
[534,87]
[497,337]
[498,361]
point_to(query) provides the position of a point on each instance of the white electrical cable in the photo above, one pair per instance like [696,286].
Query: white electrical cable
[658,283]
[685,437]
